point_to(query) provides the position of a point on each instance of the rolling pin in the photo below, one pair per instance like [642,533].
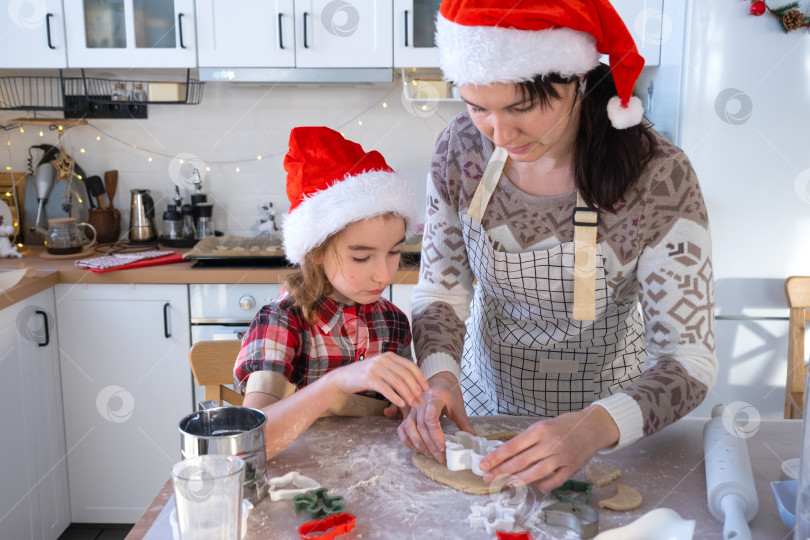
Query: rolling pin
[729,479]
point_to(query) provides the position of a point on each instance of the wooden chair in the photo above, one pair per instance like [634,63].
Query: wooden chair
[797,291]
[212,365]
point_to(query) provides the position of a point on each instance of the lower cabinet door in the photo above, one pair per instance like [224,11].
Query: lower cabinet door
[126,384]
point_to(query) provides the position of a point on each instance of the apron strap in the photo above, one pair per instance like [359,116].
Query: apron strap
[486,186]
[585,221]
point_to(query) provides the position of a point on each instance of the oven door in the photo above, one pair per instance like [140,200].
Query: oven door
[209,332]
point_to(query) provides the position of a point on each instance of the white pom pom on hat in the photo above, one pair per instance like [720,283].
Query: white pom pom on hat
[332,182]
[489,41]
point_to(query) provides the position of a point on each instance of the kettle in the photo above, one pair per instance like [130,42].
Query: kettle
[142,217]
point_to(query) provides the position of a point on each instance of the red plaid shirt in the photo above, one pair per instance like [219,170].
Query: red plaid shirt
[280,340]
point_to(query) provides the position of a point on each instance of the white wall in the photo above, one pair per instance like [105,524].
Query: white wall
[233,125]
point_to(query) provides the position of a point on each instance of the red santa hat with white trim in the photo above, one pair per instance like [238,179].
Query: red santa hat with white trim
[489,41]
[332,182]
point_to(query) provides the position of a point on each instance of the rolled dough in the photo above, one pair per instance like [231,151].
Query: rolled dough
[464,481]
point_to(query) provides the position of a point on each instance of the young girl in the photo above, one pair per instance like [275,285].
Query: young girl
[330,335]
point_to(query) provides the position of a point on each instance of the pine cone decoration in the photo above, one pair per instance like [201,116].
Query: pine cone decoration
[793,19]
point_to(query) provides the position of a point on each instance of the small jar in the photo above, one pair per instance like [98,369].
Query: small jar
[172,223]
[189,232]
[138,92]
[120,93]
[205,222]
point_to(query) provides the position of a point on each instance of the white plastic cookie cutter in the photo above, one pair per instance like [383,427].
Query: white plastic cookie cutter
[464,451]
[290,485]
[492,517]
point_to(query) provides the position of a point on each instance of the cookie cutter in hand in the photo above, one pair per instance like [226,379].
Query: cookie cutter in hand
[290,485]
[569,490]
[492,517]
[464,450]
[327,528]
[318,503]
[579,517]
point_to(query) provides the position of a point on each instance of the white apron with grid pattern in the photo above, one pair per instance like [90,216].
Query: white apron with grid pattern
[523,351]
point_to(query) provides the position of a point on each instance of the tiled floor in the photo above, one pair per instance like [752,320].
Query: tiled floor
[92,531]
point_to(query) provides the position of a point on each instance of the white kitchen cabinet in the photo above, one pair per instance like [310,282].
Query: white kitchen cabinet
[33,473]
[32,35]
[131,33]
[414,28]
[245,34]
[343,34]
[127,383]
[647,24]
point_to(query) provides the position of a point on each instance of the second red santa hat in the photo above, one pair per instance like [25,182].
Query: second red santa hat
[489,41]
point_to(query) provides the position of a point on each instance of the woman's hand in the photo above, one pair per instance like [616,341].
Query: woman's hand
[391,375]
[421,429]
[551,451]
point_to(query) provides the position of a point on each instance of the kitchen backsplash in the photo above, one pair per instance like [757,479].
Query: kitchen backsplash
[229,130]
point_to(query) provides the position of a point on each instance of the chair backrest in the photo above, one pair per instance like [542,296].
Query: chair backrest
[212,364]
[797,291]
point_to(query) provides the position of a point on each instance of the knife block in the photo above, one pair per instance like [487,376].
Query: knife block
[107,223]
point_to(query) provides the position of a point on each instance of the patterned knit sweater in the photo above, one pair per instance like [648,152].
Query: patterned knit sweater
[656,250]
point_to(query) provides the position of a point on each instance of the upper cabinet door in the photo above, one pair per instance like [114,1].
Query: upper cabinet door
[32,35]
[343,33]
[414,31]
[248,33]
[131,33]
[645,20]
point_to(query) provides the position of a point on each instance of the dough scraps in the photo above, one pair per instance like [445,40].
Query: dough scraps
[601,476]
[626,498]
[465,481]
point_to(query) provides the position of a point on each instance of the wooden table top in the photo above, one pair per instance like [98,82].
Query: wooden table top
[362,460]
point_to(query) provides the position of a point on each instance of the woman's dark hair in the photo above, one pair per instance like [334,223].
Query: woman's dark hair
[607,161]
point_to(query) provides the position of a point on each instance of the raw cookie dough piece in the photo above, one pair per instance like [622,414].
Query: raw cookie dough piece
[465,481]
[626,498]
[601,476]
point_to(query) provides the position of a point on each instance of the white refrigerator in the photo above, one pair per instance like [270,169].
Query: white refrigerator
[733,90]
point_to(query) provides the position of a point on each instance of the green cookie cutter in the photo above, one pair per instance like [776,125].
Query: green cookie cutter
[318,503]
[573,491]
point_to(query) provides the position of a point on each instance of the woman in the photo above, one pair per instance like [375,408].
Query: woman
[569,211]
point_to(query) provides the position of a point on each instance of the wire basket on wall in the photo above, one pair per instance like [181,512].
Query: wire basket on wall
[47,93]
[19,93]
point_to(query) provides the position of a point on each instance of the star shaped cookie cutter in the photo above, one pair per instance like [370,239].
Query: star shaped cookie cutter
[492,517]
[318,503]
[464,450]
[288,486]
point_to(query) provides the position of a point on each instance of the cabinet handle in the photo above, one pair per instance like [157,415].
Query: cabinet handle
[180,29]
[280,40]
[406,27]
[166,333]
[48,28]
[47,331]
[305,30]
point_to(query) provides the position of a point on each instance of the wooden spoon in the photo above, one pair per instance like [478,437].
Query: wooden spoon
[111,184]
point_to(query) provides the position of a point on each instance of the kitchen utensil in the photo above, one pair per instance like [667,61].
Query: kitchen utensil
[729,479]
[208,496]
[235,431]
[44,180]
[580,518]
[107,223]
[205,220]
[64,238]
[96,189]
[142,217]
[111,185]
[172,223]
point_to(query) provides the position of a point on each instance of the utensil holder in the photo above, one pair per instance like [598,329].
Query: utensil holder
[107,223]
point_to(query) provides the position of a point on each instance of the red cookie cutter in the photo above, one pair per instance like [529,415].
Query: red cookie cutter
[514,536]
[327,528]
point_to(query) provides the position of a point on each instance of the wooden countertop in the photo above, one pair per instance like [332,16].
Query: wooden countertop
[52,271]
[362,460]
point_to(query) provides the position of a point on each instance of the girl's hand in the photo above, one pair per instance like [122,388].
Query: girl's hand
[421,429]
[397,378]
[551,451]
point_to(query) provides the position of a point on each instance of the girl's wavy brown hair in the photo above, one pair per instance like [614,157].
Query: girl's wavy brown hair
[308,283]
